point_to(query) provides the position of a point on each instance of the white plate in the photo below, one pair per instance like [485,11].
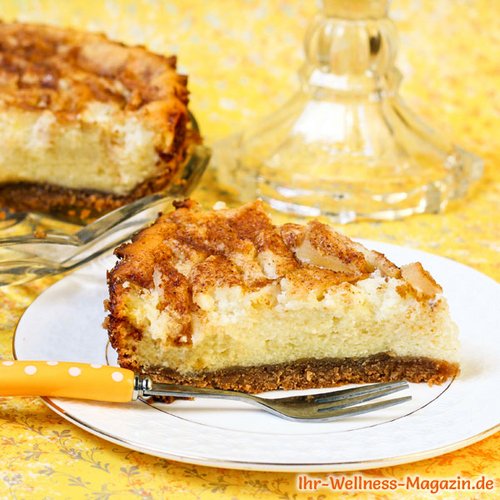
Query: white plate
[64,324]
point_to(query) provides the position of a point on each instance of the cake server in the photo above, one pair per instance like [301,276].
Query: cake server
[119,385]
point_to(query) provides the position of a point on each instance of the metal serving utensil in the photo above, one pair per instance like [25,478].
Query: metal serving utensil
[322,407]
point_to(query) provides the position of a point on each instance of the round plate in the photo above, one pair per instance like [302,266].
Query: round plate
[64,323]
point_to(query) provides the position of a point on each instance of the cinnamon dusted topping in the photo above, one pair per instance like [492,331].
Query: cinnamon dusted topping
[239,247]
[190,254]
[293,235]
[321,246]
[307,278]
[215,271]
[62,69]
[381,262]
[242,247]
[420,280]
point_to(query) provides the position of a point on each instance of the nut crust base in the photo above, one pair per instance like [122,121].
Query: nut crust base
[314,373]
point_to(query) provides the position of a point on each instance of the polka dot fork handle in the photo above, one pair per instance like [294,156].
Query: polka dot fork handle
[68,380]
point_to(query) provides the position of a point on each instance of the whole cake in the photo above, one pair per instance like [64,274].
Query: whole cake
[86,124]
[224,298]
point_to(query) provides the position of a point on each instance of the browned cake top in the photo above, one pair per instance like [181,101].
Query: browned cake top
[60,69]
[191,251]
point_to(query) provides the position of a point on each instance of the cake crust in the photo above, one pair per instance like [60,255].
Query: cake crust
[313,373]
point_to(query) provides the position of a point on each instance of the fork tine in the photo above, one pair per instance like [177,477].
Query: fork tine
[356,410]
[342,393]
[359,391]
[356,398]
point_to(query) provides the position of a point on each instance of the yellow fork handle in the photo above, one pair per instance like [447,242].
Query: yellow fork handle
[66,380]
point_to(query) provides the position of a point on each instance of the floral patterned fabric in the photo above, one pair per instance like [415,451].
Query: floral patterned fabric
[241,57]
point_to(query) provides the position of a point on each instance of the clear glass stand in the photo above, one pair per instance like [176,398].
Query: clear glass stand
[346,145]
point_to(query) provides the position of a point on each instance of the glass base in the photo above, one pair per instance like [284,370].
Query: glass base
[370,192]
[384,199]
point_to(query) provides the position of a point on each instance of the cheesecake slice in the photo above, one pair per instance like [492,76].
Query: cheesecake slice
[224,298]
[86,124]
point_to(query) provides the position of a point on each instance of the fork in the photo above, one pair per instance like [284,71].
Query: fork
[113,384]
[28,257]
[321,407]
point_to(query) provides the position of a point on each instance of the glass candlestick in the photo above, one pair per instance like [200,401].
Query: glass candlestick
[346,145]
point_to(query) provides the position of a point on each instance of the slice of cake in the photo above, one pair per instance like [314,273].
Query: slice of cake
[86,124]
[226,299]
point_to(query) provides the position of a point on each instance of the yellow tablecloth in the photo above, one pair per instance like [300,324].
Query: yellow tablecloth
[241,57]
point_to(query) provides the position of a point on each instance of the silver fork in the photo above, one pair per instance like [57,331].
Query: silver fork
[28,257]
[322,407]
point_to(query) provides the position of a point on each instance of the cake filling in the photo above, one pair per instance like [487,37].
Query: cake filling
[279,323]
[114,154]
